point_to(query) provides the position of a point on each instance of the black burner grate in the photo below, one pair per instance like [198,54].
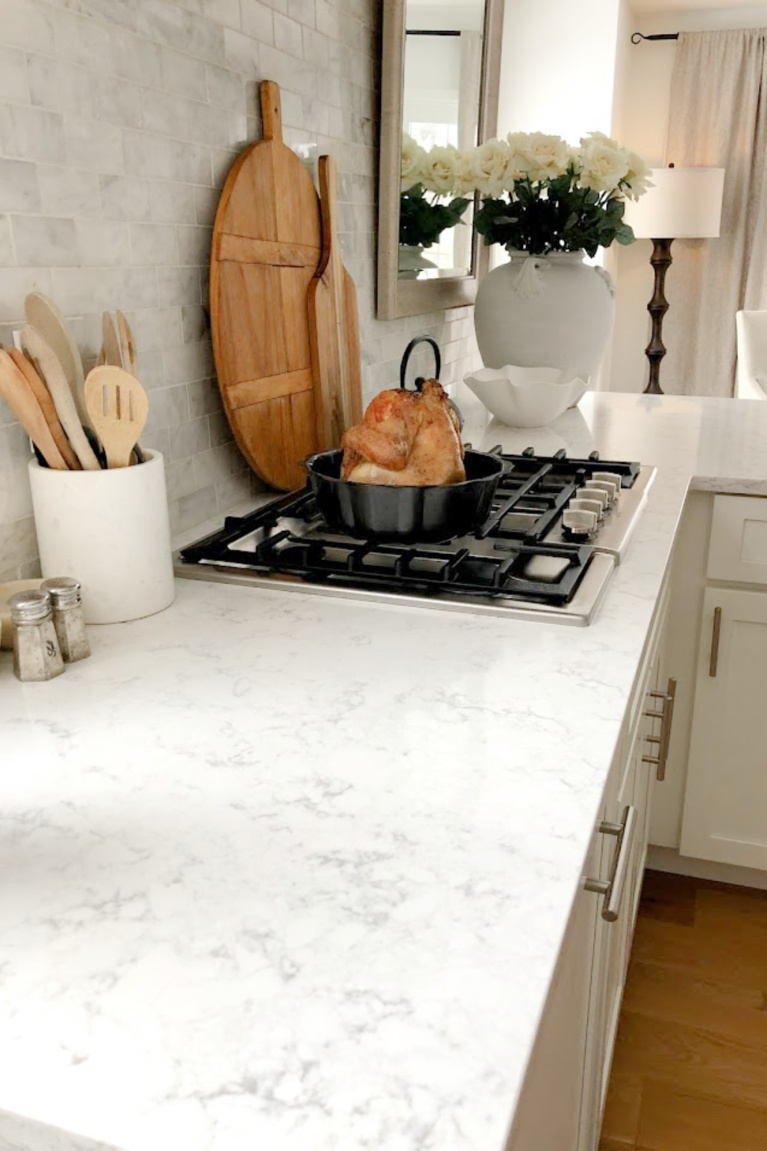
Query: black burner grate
[505,556]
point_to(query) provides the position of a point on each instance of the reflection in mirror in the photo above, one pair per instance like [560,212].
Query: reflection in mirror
[440,117]
[449,101]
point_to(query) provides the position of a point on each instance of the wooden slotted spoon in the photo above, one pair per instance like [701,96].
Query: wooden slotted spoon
[117,406]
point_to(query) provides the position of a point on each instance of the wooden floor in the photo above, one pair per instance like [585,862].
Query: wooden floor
[690,1065]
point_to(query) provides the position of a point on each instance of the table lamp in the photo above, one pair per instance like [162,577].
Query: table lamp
[685,203]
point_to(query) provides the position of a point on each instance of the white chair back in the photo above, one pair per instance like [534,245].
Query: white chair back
[751,373]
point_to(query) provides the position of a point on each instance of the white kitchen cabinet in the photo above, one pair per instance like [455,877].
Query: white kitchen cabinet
[560,1108]
[726,795]
[709,809]
[558,1061]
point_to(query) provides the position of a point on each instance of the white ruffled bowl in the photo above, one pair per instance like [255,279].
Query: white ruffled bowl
[526,397]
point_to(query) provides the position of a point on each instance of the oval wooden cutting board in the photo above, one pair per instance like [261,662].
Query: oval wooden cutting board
[266,249]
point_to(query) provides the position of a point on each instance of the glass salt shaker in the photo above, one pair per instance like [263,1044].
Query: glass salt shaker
[36,652]
[68,618]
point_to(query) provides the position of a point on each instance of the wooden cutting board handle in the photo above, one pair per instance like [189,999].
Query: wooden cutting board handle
[271,110]
[328,177]
[333,325]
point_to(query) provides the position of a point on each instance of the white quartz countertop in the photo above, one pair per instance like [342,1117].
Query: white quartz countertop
[284,871]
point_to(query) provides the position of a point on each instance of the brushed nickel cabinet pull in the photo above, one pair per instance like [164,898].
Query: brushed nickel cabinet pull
[666,716]
[715,642]
[612,888]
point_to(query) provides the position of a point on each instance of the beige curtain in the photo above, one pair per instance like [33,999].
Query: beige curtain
[718,118]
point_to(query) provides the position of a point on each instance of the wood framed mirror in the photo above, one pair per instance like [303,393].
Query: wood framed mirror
[439,82]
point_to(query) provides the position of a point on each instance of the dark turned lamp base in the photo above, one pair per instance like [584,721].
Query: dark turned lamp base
[658,306]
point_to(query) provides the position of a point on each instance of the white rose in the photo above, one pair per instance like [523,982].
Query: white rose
[601,137]
[489,164]
[601,164]
[517,165]
[440,168]
[540,156]
[411,162]
[465,179]
[637,179]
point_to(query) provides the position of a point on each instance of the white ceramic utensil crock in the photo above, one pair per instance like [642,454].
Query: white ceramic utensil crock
[109,529]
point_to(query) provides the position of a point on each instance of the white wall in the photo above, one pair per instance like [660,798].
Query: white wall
[558,66]
[643,87]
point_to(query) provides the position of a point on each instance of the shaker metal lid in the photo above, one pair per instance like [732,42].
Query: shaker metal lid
[64,592]
[29,606]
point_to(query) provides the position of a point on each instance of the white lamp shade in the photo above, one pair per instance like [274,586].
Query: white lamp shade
[685,203]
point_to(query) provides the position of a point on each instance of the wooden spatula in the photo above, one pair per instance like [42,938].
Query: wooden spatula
[47,406]
[117,406]
[127,344]
[47,363]
[42,314]
[111,343]
[21,400]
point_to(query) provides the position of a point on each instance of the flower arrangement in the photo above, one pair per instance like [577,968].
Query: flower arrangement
[427,178]
[540,194]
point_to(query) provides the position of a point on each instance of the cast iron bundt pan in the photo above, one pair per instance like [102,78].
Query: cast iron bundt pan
[405,514]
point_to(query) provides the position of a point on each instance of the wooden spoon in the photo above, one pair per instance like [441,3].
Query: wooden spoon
[42,313]
[39,350]
[127,344]
[118,407]
[21,400]
[111,343]
[43,397]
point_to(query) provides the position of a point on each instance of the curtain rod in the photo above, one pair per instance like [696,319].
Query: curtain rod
[636,37]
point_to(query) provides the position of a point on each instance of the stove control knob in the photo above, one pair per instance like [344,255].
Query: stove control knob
[591,492]
[579,522]
[595,507]
[611,477]
[606,486]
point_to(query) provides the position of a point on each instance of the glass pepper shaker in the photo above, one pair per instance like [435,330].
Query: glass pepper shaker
[68,618]
[36,652]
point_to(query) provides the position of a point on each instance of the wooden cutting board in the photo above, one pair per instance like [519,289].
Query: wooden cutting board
[265,252]
[333,326]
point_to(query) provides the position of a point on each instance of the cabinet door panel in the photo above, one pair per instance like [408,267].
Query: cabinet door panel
[725,809]
[548,1116]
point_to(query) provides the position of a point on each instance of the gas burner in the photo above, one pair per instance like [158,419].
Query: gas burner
[555,530]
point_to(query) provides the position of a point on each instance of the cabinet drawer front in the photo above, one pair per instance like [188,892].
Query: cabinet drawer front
[738,547]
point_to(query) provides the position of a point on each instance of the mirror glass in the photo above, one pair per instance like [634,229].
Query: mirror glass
[442,82]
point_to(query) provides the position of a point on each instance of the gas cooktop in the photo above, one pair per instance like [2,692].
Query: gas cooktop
[524,560]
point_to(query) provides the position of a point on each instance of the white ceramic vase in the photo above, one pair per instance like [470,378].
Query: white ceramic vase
[412,261]
[552,311]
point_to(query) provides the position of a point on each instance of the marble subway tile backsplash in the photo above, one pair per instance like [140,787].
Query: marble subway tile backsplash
[119,120]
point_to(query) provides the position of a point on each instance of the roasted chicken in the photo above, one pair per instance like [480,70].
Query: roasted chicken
[405,439]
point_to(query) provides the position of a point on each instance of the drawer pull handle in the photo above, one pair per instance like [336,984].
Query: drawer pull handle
[712,665]
[666,716]
[612,888]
